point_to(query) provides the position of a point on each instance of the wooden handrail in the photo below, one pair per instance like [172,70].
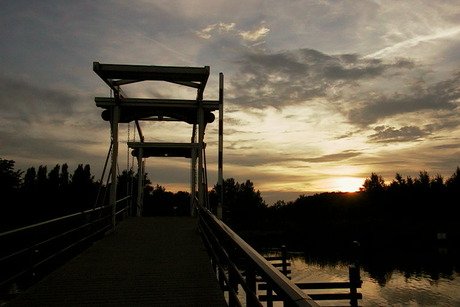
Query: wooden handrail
[60,235]
[50,221]
[285,288]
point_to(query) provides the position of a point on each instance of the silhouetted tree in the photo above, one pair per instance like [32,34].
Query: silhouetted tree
[374,184]
[437,184]
[182,203]
[453,183]
[53,178]
[82,188]
[10,179]
[30,180]
[422,183]
[159,202]
[42,177]
[243,204]
[398,183]
[64,176]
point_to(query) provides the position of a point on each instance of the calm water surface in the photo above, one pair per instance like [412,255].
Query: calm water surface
[394,289]
[399,290]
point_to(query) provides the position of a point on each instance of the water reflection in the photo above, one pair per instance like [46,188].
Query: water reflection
[402,280]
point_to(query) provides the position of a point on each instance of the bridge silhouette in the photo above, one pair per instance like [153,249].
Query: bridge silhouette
[103,257]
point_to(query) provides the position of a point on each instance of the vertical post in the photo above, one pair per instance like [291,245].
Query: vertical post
[355,276]
[269,296]
[233,285]
[200,150]
[113,187]
[193,183]
[221,276]
[221,147]
[251,282]
[284,260]
[140,181]
[355,282]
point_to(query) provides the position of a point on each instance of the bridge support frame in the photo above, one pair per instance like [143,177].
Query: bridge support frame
[196,112]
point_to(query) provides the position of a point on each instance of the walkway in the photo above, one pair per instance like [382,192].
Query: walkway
[157,261]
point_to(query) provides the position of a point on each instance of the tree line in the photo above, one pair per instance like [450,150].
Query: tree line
[406,211]
[39,194]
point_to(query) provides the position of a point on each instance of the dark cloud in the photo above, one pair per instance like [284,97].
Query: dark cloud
[440,96]
[293,77]
[47,124]
[246,160]
[42,148]
[344,155]
[447,146]
[385,134]
[23,101]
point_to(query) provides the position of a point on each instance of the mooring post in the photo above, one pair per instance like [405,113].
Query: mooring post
[355,282]
[284,260]
[354,276]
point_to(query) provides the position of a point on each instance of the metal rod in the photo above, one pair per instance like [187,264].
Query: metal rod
[122,199]
[201,128]
[49,221]
[140,182]
[221,148]
[139,131]
[113,187]
[102,176]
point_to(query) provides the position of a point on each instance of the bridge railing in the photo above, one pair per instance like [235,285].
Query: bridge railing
[237,266]
[28,253]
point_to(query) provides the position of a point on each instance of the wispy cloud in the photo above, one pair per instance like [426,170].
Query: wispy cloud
[293,77]
[255,34]
[443,95]
[413,41]
[252,37]
[335,157]
[220,27]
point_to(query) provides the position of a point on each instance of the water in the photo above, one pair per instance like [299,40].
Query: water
[398,290]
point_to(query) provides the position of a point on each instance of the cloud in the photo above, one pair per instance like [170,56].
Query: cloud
[247,38]
[48,125]
[255,34]
[443,95]
[384,134]
[220,27]
[344,155]
[25,102]
[364,91]
[413,41]
[295,76]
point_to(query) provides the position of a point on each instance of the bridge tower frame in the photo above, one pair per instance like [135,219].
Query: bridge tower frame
[197,112]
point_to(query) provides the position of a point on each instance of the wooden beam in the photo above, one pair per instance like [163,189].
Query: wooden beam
[184,150]
[151,72]
[107,102]
[161,145]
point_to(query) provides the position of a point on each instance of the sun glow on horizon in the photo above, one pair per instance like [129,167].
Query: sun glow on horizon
[346,184]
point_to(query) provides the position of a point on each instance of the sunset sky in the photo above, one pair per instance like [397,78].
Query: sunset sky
[318,94]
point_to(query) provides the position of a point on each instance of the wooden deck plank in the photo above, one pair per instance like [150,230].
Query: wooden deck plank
[157,261]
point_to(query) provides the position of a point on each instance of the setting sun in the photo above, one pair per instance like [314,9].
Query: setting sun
[347,184]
